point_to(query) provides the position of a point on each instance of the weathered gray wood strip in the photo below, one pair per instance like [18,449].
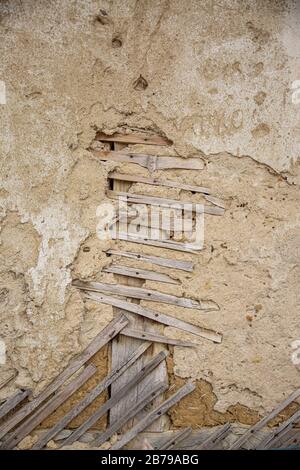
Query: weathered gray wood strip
[13,401]
[166,262]
[58,399]
[155,338]
[131,413]
[293,439]
[8,379]
[153,315]
[134,138]
[145,294]
[153,415]
[116,397]
[135,218]
[187,206]
[216,201]
[263,422]
[140,274]
[109,332]
[158,182]
[274,437]
[168,245]
[216,437]
[151,162]
[174,441]
[91,396]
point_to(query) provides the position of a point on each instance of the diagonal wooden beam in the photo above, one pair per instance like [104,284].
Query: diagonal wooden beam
[146,294]
[153,415]
[176,440]
[156,316]
[142,402]
[49,407]
[13,401]
[216,437]
[263,422]
[115,398]
[98,342]
[278,434]
[91,396]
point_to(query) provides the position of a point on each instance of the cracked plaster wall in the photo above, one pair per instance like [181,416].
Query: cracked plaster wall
[216,78]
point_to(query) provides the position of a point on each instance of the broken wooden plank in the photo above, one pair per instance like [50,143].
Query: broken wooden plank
[153,415]
[152,220]
[155,338]
[91,396]
[173,204]
[273,438]
[151,162]
[153,315]
[166,262]
[157,182]
[216,201]
[263,422]
[216,437]
[49,407]
[140,273]
[13,401]
[8,379]
[143,401]
[134,138]
[174,441]
[146,294]
[168,245]
[109,332]
[151,365]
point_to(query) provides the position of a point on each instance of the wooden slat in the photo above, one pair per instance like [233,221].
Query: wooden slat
[155,338]
[174,441]
[134,138]
[13,401]
[139,273]
[168,245]
[98,342]
[216,201]
[156,316]
[153,415]
[146,218]
[166,262]
[216,437]
[8,379]
[158,182]
[49,407]
[122,347]
[142,402]
[292,440]
[272,439]
[116,397]
[187,206]
[91,396]
[145,294]
[151,162]
[263,422]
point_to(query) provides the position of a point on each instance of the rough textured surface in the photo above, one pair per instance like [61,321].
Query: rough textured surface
[216,78]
